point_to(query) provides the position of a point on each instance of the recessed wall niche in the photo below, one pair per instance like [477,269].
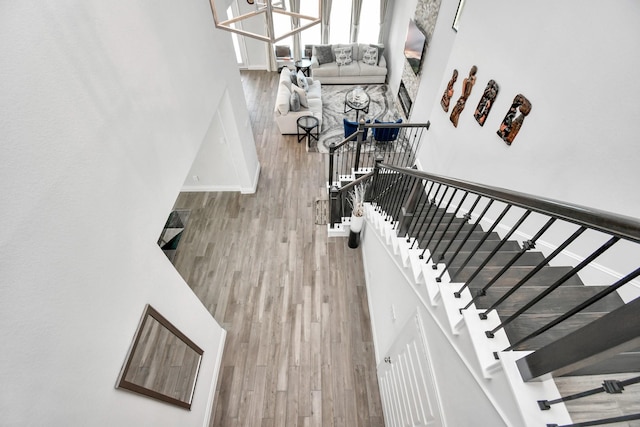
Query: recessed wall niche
[425,17]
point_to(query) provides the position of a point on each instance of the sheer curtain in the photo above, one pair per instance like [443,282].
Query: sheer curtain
[356,7]
[294,5]
[383,19]
[326,14]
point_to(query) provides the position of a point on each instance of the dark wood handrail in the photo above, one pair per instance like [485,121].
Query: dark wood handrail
[354,135]
[352,184]
[617,225]
[344,141]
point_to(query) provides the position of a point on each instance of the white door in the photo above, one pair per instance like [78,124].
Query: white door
[407,386]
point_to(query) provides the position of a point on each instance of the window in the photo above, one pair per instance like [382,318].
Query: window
[282,25]
[236,40]
[340,22]
[311,35]
[369,22]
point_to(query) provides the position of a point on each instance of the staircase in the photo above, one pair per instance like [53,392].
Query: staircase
[508,292]
[486,248]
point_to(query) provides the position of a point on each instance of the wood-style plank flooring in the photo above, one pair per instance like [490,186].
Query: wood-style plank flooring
[299,348]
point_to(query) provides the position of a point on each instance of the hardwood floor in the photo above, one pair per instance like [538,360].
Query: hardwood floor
[299,348]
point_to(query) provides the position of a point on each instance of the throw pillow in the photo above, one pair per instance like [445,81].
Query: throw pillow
[380,51]
[370,56]
[302,95]
[294,101]
[294,78]
[301,80]
[344,56]
[324,54]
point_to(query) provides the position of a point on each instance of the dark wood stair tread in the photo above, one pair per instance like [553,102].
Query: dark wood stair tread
[528,323]
[545,277]
[473,240]
[486,246]
[557,302]
[437,230]
[620,363]
[499,259]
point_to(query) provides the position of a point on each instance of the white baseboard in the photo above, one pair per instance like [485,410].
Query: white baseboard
[216,374]
[209,188]
[256,178]
[225,188]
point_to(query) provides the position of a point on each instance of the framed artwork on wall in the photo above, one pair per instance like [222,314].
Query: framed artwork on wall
[162,362]
[512,122]
[486,102]
[456,19]
[467,86]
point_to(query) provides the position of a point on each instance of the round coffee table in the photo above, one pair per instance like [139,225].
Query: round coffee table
[306,124]
[356,99]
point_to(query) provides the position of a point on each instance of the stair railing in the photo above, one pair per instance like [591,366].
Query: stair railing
[338,205]
[357,154]
[425,208]
[609,387]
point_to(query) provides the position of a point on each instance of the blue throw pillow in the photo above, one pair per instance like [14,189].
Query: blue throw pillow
[386,134]
[352,127]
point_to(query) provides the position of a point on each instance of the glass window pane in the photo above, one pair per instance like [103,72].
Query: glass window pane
[340,21]
[234,38]
[369,22]
[312,35]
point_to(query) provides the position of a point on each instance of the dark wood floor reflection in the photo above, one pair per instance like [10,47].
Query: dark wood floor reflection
[299,348]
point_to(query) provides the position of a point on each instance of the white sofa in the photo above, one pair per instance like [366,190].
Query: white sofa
[357,72]
[284,116]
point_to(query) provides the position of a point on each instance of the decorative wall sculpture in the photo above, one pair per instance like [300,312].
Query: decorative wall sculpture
[448,92]
[467,86]
[486,102]
[512,121]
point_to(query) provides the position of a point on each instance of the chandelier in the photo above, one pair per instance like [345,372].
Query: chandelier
[267,8]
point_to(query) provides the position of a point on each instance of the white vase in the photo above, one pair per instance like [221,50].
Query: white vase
[356,223]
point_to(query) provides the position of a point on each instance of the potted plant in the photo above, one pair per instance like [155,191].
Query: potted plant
[356,200]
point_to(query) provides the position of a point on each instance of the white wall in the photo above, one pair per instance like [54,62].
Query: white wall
[572,60]
[104,107]
[392,302]
[226,160]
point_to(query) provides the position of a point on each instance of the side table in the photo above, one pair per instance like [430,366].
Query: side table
[356,99]
[303,65]
[306,124]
